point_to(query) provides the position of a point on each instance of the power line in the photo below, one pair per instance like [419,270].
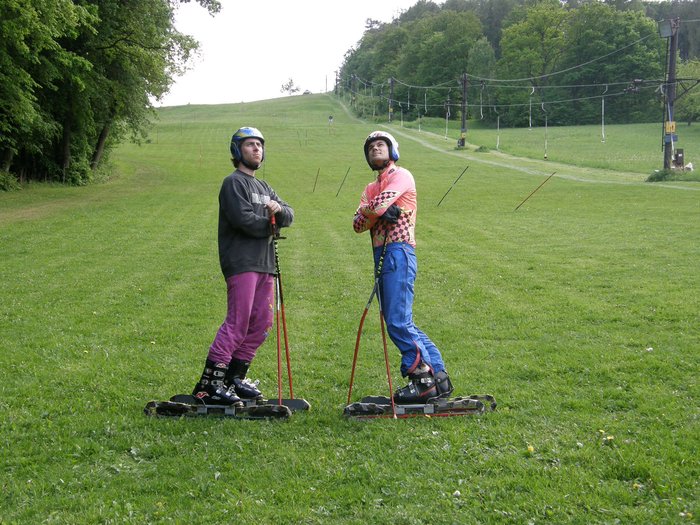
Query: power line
[441,85]
[496,86]
[504,106]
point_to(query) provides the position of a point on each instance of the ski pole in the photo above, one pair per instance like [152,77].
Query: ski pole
[453,184]
[280,309]
[386,353]
[357,340]
[375,291]
[537,188]
[279,349]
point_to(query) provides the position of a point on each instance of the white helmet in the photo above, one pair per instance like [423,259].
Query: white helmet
[390,142]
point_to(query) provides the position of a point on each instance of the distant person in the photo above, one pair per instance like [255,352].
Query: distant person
[387,209]
[247,260]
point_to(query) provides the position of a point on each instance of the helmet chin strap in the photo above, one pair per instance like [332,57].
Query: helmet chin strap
[383,165]
[250,165]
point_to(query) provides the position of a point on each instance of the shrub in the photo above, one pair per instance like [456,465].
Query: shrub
[678,175]
[9,182]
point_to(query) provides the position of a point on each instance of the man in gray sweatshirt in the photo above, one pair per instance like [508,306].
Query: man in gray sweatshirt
[247,257]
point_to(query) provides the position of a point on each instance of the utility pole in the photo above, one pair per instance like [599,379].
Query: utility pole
[669,29]
[391,99]
[461,142]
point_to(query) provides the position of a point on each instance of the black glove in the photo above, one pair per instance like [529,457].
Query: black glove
[391,215]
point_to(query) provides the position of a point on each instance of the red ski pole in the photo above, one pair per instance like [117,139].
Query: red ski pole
[286,341]
[279,308]
[386,354]
[279,349]
[357,340]
[375,291]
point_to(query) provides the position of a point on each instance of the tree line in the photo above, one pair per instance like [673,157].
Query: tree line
[522,61]
[76,77]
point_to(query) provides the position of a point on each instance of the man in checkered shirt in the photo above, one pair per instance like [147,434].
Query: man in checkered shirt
[388,209]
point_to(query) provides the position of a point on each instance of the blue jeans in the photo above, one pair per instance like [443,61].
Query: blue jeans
[396,296]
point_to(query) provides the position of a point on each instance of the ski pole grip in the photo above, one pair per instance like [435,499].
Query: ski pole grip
[274,232]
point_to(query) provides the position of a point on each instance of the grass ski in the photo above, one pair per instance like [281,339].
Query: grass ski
[177,408]
[294,405]
[380,407]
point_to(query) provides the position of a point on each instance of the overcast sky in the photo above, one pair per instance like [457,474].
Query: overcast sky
[251,48]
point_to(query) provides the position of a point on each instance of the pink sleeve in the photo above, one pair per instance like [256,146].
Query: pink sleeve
[361,222]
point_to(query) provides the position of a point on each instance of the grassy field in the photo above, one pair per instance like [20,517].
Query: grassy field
[578,312]
[635,148]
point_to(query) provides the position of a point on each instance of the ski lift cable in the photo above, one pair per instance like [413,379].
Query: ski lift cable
[445,85]
[550,102]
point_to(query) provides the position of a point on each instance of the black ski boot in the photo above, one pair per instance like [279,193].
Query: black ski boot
[211,389]
[444,385]
[421,387]
[237,382]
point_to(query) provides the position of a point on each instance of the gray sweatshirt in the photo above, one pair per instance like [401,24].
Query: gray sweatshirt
[244,225]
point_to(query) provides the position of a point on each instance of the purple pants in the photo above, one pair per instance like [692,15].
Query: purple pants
[248,319]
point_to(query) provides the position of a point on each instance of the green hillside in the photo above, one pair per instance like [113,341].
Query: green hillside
[578,312]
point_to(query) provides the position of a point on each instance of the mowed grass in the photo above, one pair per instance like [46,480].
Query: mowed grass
[578,312]
[634,148]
